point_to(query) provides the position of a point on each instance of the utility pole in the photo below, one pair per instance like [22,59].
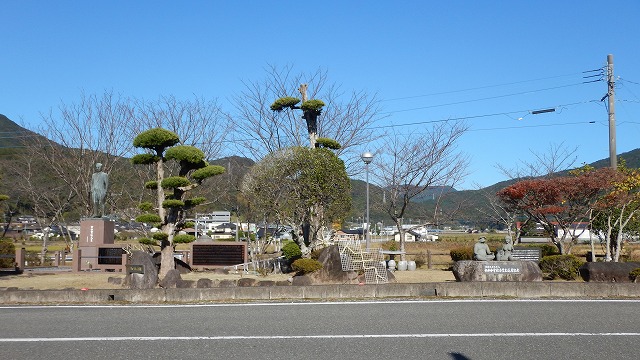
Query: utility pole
[613,160]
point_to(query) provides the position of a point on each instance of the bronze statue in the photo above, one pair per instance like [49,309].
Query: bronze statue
[99,185]
[481,251]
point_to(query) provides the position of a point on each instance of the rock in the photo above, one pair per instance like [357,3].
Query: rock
[266,283]
[149,278]
[220,271]
[185,284]
[171,280]
[246,282]
[607,271]
[390,277]
[182,266]
[283,283]
[227,283]
[331,272]
[204,283]
[468,270]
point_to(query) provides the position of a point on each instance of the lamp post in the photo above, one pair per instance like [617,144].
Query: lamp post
[367,158]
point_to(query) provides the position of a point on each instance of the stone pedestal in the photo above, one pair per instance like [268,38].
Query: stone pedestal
[93,233]
[467,270]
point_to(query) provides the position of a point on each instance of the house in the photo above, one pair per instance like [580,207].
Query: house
[409,236]
[351,234]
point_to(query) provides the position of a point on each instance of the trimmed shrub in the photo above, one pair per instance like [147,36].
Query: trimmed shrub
[7,248]
[305,266]
[183,239]
[421,260]
[291,251]
[461,253]
[560,266]
[147,241]
[633,275]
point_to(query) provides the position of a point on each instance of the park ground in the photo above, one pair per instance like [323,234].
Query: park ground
[439,271]
[42,280]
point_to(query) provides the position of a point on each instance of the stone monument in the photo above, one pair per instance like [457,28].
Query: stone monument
[97,230]
[506,268]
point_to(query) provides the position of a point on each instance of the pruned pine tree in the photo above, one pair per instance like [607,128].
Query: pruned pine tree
[171,187]
[347,117]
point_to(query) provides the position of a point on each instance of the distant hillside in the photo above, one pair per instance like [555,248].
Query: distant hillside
[467,206]
[11,134]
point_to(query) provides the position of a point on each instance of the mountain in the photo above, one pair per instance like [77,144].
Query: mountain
[467,206]
[11,134]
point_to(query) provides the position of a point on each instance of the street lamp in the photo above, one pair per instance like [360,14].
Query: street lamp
[367,158]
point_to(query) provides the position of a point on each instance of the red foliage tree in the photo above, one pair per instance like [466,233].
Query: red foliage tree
[559,204]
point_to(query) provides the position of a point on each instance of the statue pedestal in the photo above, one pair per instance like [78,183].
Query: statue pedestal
[467,270]
[93,233]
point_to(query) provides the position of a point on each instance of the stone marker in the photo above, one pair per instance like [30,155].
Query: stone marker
[468,270]
[149,278]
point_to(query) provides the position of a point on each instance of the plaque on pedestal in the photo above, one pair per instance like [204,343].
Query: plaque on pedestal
[93,233]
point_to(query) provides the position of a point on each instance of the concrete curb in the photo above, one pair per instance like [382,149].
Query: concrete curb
[326,292]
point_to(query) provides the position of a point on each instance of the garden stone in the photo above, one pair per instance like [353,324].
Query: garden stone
[607,271]
[204,283]
[246,282]
[149,279]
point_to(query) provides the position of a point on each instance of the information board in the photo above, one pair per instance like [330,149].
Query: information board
[526,253]
[219,254]
[110,256]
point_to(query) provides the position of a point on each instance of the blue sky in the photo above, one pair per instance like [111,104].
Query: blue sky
[491,62]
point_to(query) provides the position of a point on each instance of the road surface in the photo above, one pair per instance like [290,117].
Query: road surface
[458,330]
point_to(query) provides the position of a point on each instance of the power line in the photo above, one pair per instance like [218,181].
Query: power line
[482,99]
[485,87]
[476,116]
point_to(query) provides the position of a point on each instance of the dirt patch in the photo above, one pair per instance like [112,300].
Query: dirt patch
[99,280]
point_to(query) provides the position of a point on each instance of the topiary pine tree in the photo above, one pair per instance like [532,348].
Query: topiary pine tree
[171,191]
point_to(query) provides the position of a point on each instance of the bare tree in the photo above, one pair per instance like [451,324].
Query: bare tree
[406,168]
[199,122]
[346,117]
[557,158]
[97,129]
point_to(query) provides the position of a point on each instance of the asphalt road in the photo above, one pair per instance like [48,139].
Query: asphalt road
[477,330]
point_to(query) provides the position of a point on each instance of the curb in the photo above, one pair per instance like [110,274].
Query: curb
[325,292]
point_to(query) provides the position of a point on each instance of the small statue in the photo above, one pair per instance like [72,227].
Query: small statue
[481,251]
[504,254]
[99,185]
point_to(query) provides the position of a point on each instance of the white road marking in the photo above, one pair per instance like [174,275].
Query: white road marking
[312,303]
[303,337]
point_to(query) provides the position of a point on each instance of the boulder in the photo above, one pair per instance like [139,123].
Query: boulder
[469,270]
[607,271]
[204,283]
[246,282]
[185,284]
[172,279]
[227,283]
[331,272]
[266,283]
[149,278]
